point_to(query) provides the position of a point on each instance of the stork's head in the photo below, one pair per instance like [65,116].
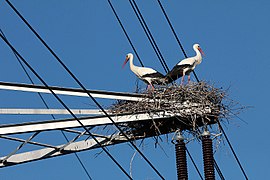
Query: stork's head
[128,56]
[197,46]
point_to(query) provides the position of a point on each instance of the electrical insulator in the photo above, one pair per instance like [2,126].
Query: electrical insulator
[181,159]
[208,158]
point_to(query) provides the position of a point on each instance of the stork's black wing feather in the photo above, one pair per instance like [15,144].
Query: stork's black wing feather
[154,75]
[156,78]
[176,72]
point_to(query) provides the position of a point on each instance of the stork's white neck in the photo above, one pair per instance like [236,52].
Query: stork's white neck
[132,66]
[198,56]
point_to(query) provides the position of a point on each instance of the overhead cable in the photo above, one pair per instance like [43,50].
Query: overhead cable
[85,90]
[64,105]
[125,32]
[156,49]
[218,170]
[149,34]
[234,154]
[147,31]
[194,164]
[175,35]
[46,105]
[167,18]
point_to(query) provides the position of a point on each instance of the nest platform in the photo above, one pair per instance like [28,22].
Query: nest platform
[186,107]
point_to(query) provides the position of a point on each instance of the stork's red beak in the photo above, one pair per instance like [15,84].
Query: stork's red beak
[201,51]
[127,58]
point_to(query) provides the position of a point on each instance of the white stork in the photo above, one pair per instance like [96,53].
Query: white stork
[148,75]
[186,66]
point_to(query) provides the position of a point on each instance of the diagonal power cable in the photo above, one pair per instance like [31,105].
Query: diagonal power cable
[149,34]
[231,147]
[218,170]
[125,32]
[147,31]
[175,35]
[161,59]
[64,105]
[194,164]
[46,105]
[179,43]
[84,89]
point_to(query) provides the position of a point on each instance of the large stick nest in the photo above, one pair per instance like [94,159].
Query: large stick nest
[193,106]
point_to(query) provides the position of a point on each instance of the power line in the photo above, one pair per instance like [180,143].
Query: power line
[234,154]
[125,32]
[218,170]
[144,25]
[178,41]
[163,63]
[149,35]
[175,35]
[170,24]
[161,59]
[193,162]
[64,105]
[46,105]
[147,31]
[82,86]
[195,75]
[182,48]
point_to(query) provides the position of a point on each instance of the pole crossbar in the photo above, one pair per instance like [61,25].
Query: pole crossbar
[72,91]
[50,111]
[71,123]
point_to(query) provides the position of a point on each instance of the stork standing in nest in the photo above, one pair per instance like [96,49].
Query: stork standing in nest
[186,66]
[148,75]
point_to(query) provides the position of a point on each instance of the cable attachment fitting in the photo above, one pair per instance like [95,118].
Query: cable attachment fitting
[177,137]
[205,133]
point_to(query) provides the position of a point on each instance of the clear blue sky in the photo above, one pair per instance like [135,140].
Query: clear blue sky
[86,36]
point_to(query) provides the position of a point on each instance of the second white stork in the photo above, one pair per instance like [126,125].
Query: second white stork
[148,75]
[185,66]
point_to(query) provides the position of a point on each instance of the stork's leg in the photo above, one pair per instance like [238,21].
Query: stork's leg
[150,87]
[183,77]
[153,88]
[182,80]
[188,78]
